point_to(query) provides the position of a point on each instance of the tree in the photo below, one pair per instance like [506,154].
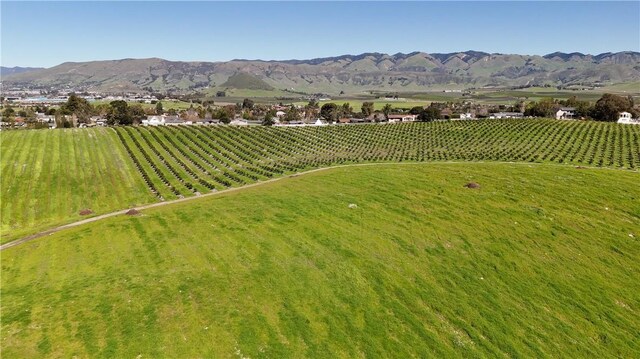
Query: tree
[119,113]
[62,121]
[429,114]
[313,103]
[542,108]
[78,107]
[201,111]
[291,115]
[247,115]
[8,115]
[268,118]
[609,106]
[345,110]
[137,114]
[386,110]
[159,109]
[518,106]
[329,112]
[582,108]
[416,110]
[247,103]
[225,114]
[29,117]
[367,109]
[8,112]
[311,109]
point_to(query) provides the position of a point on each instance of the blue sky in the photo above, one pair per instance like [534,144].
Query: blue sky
[49,33]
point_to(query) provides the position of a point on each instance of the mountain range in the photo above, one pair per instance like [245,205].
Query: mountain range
[416,71]
[5,71]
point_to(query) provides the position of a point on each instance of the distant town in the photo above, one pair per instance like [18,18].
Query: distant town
[32,109]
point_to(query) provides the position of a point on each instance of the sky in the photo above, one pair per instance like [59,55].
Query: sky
[45,34]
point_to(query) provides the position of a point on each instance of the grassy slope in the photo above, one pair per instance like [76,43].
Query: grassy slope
[536,263]
[49,176]
[246,81]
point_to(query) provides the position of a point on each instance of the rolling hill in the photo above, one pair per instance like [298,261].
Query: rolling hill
[416,71]
[407,240]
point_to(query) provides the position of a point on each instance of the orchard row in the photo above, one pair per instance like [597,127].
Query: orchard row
[184,161]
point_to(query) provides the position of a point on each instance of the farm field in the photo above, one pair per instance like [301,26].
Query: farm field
[50,176]
[383,260]
[487,96]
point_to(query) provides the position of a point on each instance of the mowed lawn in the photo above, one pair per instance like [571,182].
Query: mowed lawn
[368,261]
[48,177]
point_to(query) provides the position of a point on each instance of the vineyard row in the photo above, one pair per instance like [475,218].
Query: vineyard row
[183,161]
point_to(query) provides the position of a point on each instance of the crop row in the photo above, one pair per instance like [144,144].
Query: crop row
[189,160]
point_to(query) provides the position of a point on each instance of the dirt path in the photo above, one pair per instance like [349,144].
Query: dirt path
[159,204]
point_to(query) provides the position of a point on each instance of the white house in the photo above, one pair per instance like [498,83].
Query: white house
[41,117]
[319,122]
[625,118]
[500,115]
[565,113]
[239,122]
[467,116]
[402,118]
[154,121]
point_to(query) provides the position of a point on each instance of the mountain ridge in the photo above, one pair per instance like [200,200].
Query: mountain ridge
[5,71]
[370,71]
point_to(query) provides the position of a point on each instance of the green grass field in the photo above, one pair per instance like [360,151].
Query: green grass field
[48,177]
[487,96]
[372,261]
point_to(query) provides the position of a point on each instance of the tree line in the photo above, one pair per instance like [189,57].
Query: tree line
[77,110]
[607,108]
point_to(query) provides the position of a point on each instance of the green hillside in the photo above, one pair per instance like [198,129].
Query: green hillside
[48,177]
[351,74]
[388,260]
[245,81]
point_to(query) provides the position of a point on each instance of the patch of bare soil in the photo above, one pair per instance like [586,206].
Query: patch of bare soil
[85,212]
[472,185]
[132,212]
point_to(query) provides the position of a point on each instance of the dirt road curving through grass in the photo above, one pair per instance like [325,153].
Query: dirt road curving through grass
[153,205]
